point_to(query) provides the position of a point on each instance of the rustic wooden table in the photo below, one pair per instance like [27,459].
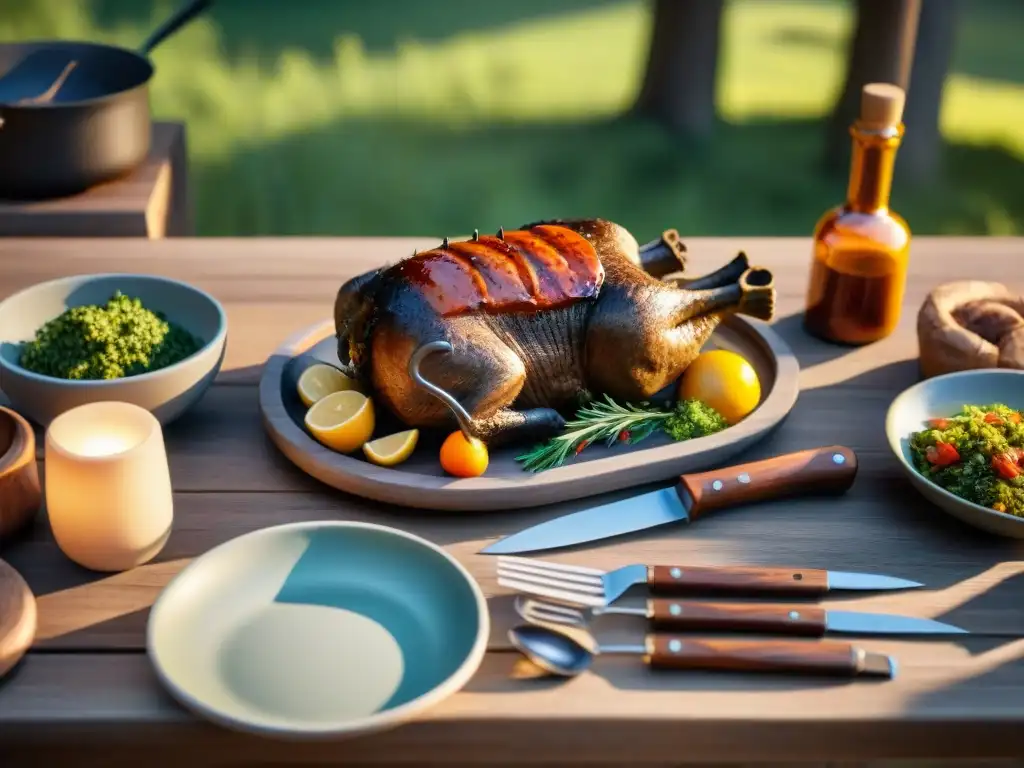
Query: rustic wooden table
[87,685]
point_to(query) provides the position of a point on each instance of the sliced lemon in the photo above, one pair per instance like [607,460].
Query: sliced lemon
[393,449]
[342,421]
[320,380]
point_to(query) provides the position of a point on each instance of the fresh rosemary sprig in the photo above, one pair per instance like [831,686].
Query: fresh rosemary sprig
[613,422]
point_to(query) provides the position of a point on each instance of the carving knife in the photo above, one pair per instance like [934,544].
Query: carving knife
[826,470]
[773,618]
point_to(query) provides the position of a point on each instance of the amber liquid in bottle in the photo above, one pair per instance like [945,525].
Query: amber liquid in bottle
[861,249]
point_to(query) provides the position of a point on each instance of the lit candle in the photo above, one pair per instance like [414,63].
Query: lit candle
[108,486]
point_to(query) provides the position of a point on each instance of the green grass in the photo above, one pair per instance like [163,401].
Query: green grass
[403,117]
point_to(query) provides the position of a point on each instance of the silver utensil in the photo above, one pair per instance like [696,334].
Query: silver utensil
[805,620]
[560,654]
[829,470]
[594,588]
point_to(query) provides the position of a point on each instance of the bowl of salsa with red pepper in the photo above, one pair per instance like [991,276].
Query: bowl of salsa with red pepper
[960,440]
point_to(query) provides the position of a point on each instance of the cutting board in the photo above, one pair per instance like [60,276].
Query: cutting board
[17,617]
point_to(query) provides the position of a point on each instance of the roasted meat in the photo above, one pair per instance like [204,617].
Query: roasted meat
[502,333]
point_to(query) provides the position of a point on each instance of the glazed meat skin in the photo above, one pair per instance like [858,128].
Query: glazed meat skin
[502,333]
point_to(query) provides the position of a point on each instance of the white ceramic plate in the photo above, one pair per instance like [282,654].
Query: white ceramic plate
[318,630]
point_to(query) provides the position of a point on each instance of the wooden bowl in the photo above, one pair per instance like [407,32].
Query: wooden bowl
[20,492]
[18,617]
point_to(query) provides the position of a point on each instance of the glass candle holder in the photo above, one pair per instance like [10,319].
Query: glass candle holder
[108,486]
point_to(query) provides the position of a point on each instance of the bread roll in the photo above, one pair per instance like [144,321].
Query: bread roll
[970,324]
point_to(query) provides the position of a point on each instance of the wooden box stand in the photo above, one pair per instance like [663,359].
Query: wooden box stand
[151,202]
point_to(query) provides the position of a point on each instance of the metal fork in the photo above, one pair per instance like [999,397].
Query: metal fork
[568,583]
[596,589]
[546,612]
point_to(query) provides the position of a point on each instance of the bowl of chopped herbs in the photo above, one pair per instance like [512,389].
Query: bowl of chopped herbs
[148,340]
[959,438]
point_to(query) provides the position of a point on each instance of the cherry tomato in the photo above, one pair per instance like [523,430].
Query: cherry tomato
[942,454]
[939,423]
[463,457]
[993,418]
[1005,465]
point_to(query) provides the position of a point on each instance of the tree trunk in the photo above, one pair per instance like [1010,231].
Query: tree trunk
[881,50]
[920,158]
[679,83]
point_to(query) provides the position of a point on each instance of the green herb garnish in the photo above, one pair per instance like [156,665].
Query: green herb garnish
[977,454]
[611,422]
[121,338]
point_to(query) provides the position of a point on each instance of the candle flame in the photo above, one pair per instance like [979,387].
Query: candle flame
[103,445]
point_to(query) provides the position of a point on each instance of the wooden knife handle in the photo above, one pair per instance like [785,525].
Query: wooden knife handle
[830,469]
[666,651]
[770,618]
[752,580]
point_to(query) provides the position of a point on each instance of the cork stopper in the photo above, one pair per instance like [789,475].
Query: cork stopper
[881,106]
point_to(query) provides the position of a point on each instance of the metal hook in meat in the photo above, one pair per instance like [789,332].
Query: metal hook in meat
[464,419]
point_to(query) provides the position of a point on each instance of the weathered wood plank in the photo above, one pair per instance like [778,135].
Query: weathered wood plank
[949,702]
[978,583]
[221,445]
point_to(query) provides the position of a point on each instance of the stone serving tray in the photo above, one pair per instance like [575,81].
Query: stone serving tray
[420,482]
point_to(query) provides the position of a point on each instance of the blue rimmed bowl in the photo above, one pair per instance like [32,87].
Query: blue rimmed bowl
[945,396]
[167,393]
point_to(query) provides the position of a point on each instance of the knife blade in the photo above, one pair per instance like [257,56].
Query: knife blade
[774,618]
[826,470]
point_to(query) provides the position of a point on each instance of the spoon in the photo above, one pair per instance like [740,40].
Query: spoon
[559,654]
[36,78]
[47,95]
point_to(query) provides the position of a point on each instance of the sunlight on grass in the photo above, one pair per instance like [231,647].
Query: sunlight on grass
[355,142]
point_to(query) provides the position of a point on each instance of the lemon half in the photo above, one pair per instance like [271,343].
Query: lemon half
[320,380]
[342,421]
[392,449]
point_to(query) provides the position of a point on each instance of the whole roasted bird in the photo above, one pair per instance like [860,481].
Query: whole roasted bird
[501,333]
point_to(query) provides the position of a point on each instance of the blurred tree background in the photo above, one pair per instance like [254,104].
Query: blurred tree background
[413,117]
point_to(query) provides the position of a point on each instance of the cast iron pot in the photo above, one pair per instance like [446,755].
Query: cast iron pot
[96,127]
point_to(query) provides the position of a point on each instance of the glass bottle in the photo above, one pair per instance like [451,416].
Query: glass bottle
[861,248]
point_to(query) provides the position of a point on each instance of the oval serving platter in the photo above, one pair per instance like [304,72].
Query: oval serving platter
[420,482]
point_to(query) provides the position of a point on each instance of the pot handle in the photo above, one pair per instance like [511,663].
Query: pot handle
[181,17]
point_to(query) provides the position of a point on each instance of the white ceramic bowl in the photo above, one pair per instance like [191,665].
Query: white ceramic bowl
[166,393]
[318,630]
[944,396]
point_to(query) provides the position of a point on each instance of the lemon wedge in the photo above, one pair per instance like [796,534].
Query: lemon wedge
[392,449]
[342,421]
[320,380]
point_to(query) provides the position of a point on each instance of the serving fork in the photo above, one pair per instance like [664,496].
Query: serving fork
[596,589]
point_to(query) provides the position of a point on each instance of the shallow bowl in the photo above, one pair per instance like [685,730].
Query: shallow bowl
[166,393]
[944,396]
[317,630]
